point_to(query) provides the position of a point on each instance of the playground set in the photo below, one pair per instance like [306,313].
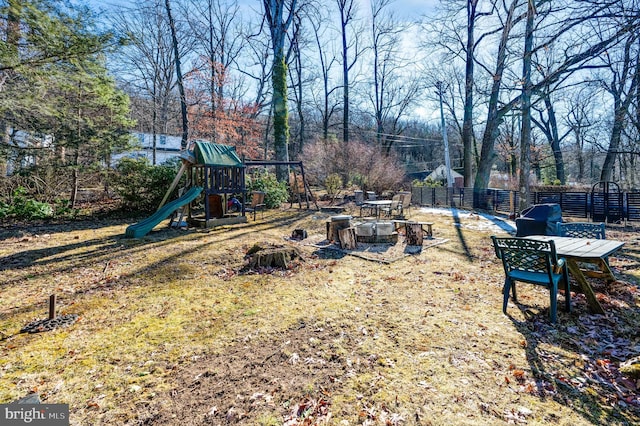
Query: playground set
[214,176]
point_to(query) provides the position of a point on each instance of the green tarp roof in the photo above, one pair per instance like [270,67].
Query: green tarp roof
[212,154]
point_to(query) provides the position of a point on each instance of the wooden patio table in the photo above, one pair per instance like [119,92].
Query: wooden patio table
[585,250]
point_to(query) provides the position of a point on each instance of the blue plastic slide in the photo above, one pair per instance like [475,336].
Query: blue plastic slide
[143,227]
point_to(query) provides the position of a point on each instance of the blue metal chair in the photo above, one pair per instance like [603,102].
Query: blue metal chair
[581,230]
[534,262]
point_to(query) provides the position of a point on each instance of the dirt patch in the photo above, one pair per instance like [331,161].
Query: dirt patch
[288,376]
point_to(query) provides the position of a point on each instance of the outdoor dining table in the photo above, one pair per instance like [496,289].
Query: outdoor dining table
[585,250]
[375,205]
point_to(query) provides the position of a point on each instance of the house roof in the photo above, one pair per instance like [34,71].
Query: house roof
[440,173]
[212,154]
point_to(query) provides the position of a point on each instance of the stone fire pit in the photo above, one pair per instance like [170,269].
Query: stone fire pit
[376,232]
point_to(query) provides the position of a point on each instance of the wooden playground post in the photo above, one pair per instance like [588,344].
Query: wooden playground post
[52,307]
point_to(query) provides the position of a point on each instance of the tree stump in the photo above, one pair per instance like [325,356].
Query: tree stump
[414,234]
[273,257]
[347,238]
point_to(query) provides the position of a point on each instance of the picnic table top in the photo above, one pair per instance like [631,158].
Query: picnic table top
[581,247]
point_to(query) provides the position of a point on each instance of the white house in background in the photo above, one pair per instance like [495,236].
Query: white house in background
[19,159]
[440,174]
[167,147]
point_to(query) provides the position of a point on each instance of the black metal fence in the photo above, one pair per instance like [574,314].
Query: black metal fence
[495,199]
[600,207]
[633,206]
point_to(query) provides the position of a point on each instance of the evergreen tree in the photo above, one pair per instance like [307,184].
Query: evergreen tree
[53,82]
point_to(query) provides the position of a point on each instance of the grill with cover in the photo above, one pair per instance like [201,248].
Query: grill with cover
[539,219]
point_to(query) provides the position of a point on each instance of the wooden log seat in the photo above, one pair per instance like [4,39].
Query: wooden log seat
[335,224]
[426,227]
[348,240]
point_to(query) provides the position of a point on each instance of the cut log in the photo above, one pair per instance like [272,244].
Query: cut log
[414,234]
[336,225]
[348,239]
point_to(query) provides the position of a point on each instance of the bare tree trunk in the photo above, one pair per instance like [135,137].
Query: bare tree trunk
[525,138]
[154,126]
[299,109]
[183,98]
[378,79]
[467,121]
[213,75]
[297,88]
[12,37]
[280,116]
[549,127]
[75,178]
[345,17]
[614,139]
[350,45]
[494,117]
[325,63]
[554,141]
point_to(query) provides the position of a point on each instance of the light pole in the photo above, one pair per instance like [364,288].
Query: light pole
[447,160]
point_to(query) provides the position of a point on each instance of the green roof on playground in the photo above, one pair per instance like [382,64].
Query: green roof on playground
[213,154]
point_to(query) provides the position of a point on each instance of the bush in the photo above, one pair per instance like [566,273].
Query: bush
[357,163]
[333,183]
[5,209]
[275,193]
[141,185]
[427,183]
[22,207]
[63,208]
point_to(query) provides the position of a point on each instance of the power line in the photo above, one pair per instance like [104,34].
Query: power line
[402,137]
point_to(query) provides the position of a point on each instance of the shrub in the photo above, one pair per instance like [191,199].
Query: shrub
[333,183]
[63,208]
[276,192]
[22,207]
[141,185]
[356,162]
[428,183]
[4,210]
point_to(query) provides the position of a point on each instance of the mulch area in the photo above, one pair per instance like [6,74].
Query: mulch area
[376,252]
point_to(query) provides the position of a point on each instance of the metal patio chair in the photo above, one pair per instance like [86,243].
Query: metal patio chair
[581,230]
[534,262]
[395,206]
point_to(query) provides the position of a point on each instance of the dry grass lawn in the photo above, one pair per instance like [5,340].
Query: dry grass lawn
[173,330]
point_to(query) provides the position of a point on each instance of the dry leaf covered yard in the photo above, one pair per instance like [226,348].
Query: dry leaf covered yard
[174,329]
